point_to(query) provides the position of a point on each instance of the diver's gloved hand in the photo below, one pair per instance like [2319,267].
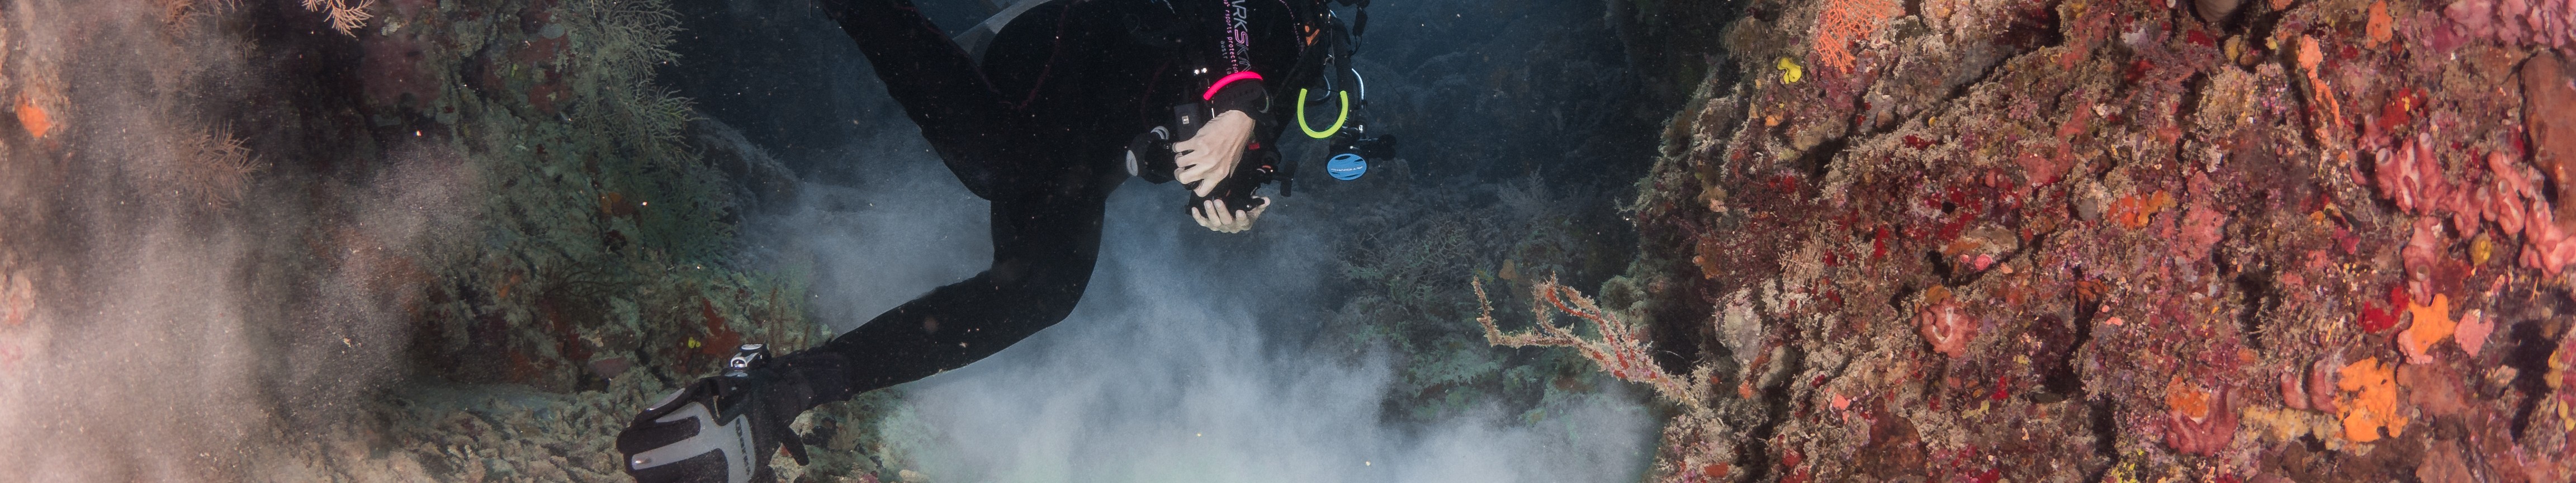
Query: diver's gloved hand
[1214,215]
[1209,155]
[719,429]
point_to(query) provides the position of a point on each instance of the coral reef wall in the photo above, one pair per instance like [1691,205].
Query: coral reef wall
[2040,240]
[369,241]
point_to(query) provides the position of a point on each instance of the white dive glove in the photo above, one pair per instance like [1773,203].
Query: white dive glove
[1207,158]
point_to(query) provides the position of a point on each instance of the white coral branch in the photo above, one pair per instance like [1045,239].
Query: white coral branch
[344,17]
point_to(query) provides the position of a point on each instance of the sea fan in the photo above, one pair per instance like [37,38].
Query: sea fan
[1619,347]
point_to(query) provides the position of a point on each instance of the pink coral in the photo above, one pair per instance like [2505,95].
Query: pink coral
[2321,384]
[2423,250]
[2546,22]
[2293,394]
[2201,229]
[2315,391]
[2203,428]
[2473,331]
[2411,175]
[2548,245]
[1946,327]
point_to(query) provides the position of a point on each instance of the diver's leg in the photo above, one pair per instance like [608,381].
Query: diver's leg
[975,128]
[1044,246]
[1046,218]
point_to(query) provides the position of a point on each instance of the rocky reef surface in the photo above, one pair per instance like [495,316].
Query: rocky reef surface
[2016,240]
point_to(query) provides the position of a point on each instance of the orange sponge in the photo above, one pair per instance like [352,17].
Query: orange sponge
[2433,323]
[34,118]
[2370,401]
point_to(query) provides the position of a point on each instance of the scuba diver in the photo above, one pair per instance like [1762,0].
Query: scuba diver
[1071,98]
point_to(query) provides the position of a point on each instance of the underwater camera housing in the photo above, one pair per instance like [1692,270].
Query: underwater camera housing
[1149,156]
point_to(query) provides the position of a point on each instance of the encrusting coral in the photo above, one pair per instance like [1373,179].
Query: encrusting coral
[1844,22]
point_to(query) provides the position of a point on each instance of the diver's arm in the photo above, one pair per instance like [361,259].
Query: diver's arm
[1212,153]
[1250,39]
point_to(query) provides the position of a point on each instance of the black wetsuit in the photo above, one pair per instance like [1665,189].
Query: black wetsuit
[1039,129]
